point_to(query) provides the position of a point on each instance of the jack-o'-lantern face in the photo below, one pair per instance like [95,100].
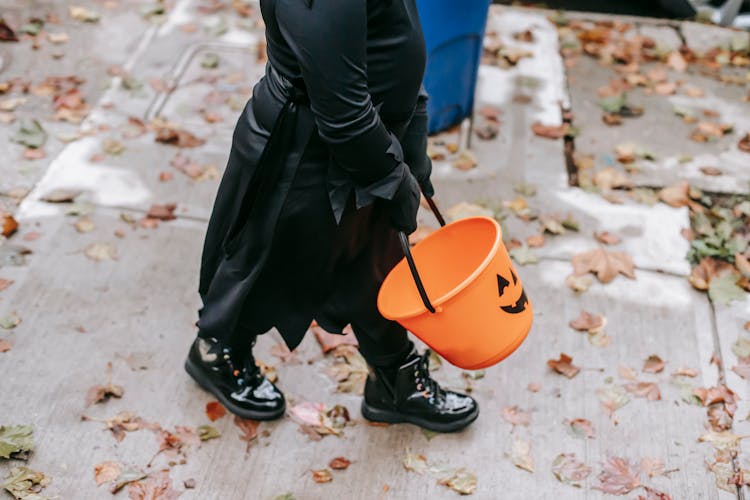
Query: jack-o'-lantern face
[512,296]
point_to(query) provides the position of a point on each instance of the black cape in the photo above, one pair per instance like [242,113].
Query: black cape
[298,230]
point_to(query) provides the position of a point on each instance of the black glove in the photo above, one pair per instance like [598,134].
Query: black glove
[414,144]
[403,206]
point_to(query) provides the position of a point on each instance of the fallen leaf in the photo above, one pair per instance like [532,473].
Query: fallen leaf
[157,486]
[99,393]
[524,255]
[339,463]
[708,269]
[249,430]
[466,161]
[722,441]
[579,284]
[465,210]
[612,398]
[678,195]
[607,238]
[685,372]
[724,289]
[5,346]
[9,224]
[568,470]
[627,372]
[586,322]
[83,14]
[711,171]
[177,137]
[350,371]
[521,455]
[30,133]
[106,472]
[121,423]
[550,131]
[322,476]
[535,241]
[606,265]
[16,439]
[25,483]
[618,477]
[10,321]
[61,196]
[652,467]
[581,427]
[415,462]
[330,341]
[215,410]
[648,390]
[206,432]
[126,477]
[101,251]
[610,178]
[6,32]
[742,368]
[84,225]
[653,364]
[534,387]
[564,366]
[744,143]
[516,416]
[162,212]
[460,481]
[676,61]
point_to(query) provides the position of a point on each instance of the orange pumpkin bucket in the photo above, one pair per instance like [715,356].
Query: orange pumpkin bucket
[457,290]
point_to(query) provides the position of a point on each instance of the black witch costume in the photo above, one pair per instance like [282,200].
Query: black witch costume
[325,168]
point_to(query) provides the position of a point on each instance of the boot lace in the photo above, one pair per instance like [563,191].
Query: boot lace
[429,386]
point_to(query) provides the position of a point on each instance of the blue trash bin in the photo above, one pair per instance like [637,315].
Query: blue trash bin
[453,32]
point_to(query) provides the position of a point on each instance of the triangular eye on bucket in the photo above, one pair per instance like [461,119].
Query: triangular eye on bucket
[502,283]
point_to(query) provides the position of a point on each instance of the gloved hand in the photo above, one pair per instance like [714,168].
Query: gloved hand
[403,206]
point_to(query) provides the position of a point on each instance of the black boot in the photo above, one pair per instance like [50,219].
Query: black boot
[240,387]
[409,394]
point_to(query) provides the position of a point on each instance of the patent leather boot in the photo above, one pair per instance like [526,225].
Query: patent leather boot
[411,395]
[240,387]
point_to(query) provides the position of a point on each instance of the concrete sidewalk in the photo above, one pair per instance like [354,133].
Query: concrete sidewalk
[104,283]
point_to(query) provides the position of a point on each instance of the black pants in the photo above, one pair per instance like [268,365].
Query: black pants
[317,269]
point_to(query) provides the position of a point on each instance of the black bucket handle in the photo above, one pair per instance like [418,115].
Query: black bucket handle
[410,258]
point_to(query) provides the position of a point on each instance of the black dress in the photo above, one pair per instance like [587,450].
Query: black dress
[299,229]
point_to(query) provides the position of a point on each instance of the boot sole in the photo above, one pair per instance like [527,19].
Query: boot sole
[393,417]
[202,380]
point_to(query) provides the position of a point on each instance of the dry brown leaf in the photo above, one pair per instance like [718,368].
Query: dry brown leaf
[648,390]
[607,238]
[653,364]
[162,212]
[586,322]
[534,387]
[744,143]
[678,195]
[579,284]
[106,472]
[215,410]
[742,368]
[157,486]
[521,455]
[330,341]
[606,265]
[627,372]
[535,241]
[676,61]
[684,371]
[564,366]
[516,416]
[550,131]
[611,178]
[711,171]
[466,160]
[339,463]
[581,427]
[618,477]
[177,137]
[708,269]
[249,430]
[322,476]
[652,467]
[10,225]
[5,346]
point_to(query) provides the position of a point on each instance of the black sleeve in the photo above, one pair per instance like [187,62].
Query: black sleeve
[329,39]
